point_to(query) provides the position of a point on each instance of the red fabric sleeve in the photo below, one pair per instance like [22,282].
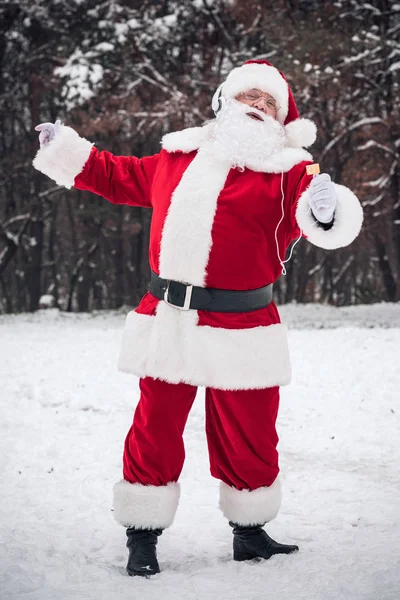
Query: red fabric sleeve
[297,182]
[119,179]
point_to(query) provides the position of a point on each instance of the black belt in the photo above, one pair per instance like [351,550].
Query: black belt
[184,296]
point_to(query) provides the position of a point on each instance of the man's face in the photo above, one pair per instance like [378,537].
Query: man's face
[246,131]
[263,101]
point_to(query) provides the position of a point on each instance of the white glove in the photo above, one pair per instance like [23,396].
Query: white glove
[47,132]
[322,198]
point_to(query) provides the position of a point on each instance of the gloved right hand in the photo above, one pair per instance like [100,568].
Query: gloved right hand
[47,132]
[322,198]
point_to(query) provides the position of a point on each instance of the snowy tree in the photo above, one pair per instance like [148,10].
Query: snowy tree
[125,72]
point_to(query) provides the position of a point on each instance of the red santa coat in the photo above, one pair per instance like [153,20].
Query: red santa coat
[213,226]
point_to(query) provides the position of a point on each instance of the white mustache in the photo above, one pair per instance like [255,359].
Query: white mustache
[256,111]
[245,109]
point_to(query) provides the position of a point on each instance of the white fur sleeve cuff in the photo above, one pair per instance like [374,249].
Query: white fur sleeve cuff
[346,225]
[64,157]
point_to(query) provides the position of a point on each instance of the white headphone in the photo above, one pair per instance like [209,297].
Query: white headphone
[217,100]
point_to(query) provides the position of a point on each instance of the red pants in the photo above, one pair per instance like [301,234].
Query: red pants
[240,427]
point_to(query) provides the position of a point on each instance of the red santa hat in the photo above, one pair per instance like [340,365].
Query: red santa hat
[260,74]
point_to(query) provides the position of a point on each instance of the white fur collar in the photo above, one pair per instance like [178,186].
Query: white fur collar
[193,138]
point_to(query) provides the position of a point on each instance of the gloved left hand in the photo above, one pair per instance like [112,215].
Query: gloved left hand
[322,198]
[48,131]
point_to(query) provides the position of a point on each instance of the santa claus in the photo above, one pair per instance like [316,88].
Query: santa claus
[228,199]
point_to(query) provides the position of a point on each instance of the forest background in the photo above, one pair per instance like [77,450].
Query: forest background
[123,73]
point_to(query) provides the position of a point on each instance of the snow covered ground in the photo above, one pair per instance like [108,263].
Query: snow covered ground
[65,411]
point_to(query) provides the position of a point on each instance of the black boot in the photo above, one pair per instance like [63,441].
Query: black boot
[253,542]
[141,544]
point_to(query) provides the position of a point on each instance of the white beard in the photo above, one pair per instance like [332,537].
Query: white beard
[243,141]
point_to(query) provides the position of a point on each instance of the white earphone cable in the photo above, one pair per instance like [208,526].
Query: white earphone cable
[282,262]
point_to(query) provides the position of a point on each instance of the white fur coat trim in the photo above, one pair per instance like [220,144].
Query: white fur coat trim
[145,506]
[64,157]
[194,138]
[186,238]
[172,347]
[250,507]
[188,139]
[262,77]
[347,220]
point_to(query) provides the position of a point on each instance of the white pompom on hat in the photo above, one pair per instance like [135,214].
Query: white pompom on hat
[261,75]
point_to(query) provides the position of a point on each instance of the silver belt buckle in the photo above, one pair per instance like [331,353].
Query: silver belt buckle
[188,297]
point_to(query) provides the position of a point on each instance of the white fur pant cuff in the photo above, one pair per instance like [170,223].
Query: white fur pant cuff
[250,507]
[145,506]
